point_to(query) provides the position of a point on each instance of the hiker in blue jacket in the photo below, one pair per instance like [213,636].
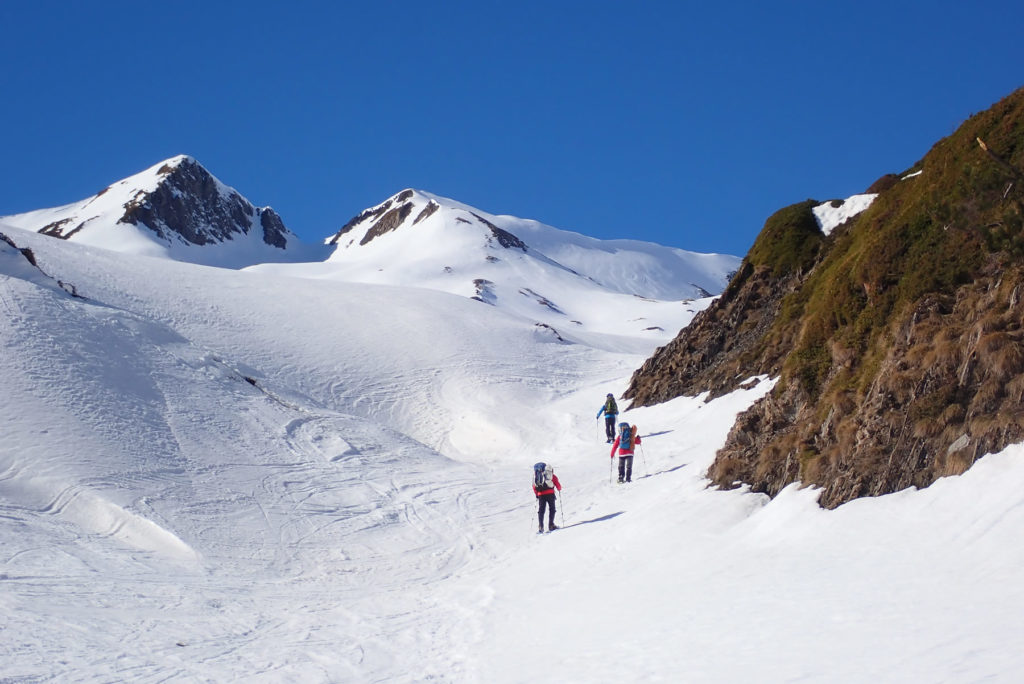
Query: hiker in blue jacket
[611,412]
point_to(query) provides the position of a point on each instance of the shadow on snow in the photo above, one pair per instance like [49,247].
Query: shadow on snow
[601,519]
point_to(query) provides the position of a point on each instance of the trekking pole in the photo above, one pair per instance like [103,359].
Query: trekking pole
[561,506]
[643,454]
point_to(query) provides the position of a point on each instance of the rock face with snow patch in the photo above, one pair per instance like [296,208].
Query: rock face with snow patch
[176,203]
[190,204]
[896,337]
[396,211]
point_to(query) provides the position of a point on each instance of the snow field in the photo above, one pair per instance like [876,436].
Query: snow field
[209,475]
[665,580]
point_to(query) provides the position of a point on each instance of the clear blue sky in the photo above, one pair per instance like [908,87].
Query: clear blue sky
[681,123]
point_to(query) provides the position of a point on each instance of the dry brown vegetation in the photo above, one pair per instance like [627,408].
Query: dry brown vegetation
[897,339]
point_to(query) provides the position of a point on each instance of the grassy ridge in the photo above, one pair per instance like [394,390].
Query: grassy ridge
[929,234]
[898,339]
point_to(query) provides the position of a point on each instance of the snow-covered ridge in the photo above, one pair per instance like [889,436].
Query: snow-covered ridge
[415,225]
[573,287]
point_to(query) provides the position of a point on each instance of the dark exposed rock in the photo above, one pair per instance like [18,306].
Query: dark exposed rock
[26,252]
[431,207]
[504,238]
[189,204]
[547,328]
[387,223]
[356,220]
[274,231]
[540,299]
[484,291]
[727,342]
[395,211]
[30,257]
[386,217]
[56,229]
[722,343]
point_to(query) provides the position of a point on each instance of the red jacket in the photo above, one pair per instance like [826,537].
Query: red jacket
[549,490]
[624,452]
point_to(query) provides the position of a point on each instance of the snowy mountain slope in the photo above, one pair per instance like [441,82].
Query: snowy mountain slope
[158,499]
[20,263]
[422,240]
[629,266]
[619,295]
[437,367]
[667,580]
[220,475]
[177,209]
[419,220]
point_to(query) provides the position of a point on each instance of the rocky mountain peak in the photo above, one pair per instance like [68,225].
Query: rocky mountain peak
[190,204]
[411,207]
[177,201]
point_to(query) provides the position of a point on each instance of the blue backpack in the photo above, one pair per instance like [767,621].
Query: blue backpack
[542,473]
[626,438]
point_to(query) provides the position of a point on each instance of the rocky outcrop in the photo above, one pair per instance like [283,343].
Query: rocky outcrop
[7,244]
[728,341]
[427,211]
[274,231]
[504,238]
[896,340]
[190,205]
[171,204]
[947,388]
[395,212]
[387,223]
[27,253]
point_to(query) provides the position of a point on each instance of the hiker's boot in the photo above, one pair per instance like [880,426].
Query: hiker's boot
[552,527]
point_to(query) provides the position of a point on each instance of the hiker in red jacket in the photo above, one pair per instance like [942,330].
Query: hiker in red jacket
[625,442]
[545,492]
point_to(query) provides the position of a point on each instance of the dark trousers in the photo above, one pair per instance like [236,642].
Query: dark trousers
[626,467]
[609,427]
[546,500]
